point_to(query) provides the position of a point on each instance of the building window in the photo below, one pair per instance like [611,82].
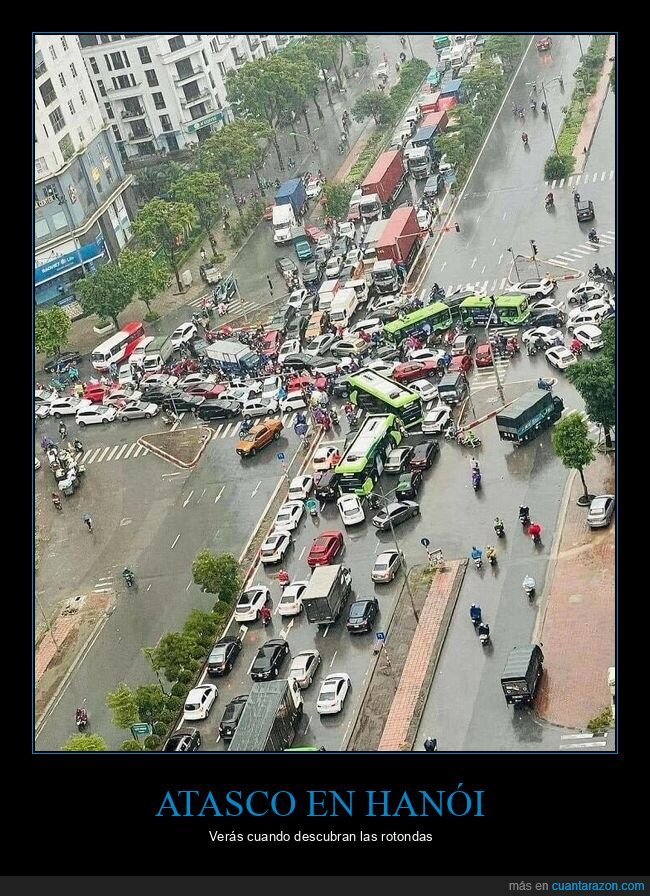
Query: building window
[47,92]
[109,110]
[143,53]
[126,59]
[41,230]
[40,166]
[100,87]
[159,100]
[73,70]
[71,107]
[52,51]
[93,65]
[60,221]
[176,43]
[93,126]
[222,69]
[120,82]
[57,120]
[64,44]
[166,123]
[61,79]
[116,59]
[80,135]
[67,147]
[104,39]
[116,133]
[152,79]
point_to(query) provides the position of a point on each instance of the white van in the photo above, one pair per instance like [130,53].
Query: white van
[361,289]
[138,354]
[326,294]
[343,307]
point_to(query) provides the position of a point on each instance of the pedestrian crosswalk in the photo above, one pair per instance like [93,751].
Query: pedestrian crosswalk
[568,257]
[586,741]
[573,181]
[487,286]
[236,306]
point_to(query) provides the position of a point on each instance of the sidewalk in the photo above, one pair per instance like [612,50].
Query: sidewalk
[594,109]
[577,625]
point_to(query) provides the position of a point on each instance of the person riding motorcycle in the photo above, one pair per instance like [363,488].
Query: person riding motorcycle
[491,554]
[535,531]
[246,424]
[431,745]
[81,718]
[475,614]
[56,500]
[549,200]
[524,514]
[592,235]
[524,138]
[544,108]
[127,575]
[499,528]
[576,346]
[474,465]
[477,554]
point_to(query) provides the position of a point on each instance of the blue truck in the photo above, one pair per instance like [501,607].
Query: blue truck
[292,192]
[423,155]
[233,357]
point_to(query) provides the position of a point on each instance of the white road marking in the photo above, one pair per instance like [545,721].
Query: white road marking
[333,658]
[126,521]
[131,447]
[146,451]
[484,286]
[595,743]
[217,431]
[327,628]
[169,475]
[175,541]
[505,215]
[189,585]
[110,456]
[302,553]
[103,455]
[256,489]
[553,184]
[575,736]
[611,174]
[443,266]
[594,179]
[602,177]
[494,240]
[308,724]
[475,259]
[226,430]
[500,257]
[137,450]
[220,494]
[187,500]
[577,180]
[120,452]
[478,219]
[149,588]
[483,270]
[561,184]
[94,452]
[202,494]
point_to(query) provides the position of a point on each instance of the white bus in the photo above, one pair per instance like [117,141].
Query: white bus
[119,347]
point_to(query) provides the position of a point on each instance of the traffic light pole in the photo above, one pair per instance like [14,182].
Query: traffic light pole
[489,342]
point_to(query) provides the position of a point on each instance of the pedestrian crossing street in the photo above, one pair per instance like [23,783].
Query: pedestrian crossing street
[575,180]
[586,741]
[579,252]
[236,306]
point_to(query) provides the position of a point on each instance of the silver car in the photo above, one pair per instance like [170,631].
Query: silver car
[134,410]
[387,565]
[304,666]
[601,511]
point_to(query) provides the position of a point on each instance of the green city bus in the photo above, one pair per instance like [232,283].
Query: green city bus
[377,394]
[510,310]
[363,462]
[436,317]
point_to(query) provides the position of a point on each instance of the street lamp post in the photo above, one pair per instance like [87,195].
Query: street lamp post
[514,261]
[580,45]
[550,120]
[489,342]
[402,558]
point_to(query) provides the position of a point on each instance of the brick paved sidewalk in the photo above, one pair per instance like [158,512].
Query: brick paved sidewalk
[577,625]
[594,109]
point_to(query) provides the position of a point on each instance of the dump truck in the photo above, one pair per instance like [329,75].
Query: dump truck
[327,593]
[526,416]
[523,670]
[396,249]
[270,718]
[382,186]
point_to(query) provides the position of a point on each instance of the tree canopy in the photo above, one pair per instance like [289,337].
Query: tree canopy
[375,103]
[572,444]
[51,329]
[107,291]
[124,706]
[147,275]
[217,574]
[165,225]
[85,743]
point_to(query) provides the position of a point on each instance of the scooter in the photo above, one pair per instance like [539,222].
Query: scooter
[81,719]
[546,385]
[499,528]
[524,517]
[484,634]
[169,418]
[476,480]
[528,585]
[531,348]
[593,237]
[475,615]
[129,578]
[477,557]
[491,554]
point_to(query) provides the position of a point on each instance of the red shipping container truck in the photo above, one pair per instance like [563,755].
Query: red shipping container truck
[398,240]
[382,185]
[437,120]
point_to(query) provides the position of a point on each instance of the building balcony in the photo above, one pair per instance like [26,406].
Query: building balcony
[183,79]
[239,60]
[253,41]
[201,95]
[116,93]
[138,138]
[192,47]
[126,115]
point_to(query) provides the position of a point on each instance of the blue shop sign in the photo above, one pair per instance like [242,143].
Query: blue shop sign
[70,260]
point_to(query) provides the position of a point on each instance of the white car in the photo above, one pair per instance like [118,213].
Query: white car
[98,413]
[548,304]
[383,303]
[386,368]
[560,357]
[599,311]
[297,297]
[291,601]
[370,325]
[199,702]
[351,510]
[387,565]
[164,379]
[589,289]
[324,242]
[426,390]
[121,397]
[295,401]
[332,694]
[259,407]
[549,336]
[313,189]
[333,267]
[43,403]
[424,218]
[192,379]
[183,334]
[591,337]
[125,376]
[274,547]
[289,347]
[304,666]
[68,404]
[425,354]
[270,387]
[300,488]
[323,457]
[289,515]
[251,602]
[37,463]
[354,256]
[346,228]
[135,410]
[331,366]
[538,289]
[436,420]
[320,345]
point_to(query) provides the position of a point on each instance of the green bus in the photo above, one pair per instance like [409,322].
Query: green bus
[510,310]
[377,394]
[430,319]
[305,750]
[363,462]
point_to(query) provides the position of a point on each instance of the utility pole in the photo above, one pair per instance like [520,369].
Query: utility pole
[550,120]
[514,261]
[489,342]
[403,559]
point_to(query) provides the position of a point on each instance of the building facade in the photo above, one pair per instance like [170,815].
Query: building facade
[164,93]
[83,202]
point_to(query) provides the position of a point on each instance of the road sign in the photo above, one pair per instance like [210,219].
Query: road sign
[380,636]
[280,455]
[142,729]
[425,542]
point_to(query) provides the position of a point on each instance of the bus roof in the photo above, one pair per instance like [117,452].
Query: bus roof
[375,427]
[381,387]
[476,302]
[511,299]
[394,326]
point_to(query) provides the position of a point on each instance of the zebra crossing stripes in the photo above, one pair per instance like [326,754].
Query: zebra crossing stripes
[236,306]
[575,180]
[583,741]
[486,286]
[575,253]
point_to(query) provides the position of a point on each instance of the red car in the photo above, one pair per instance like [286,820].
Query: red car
[268,213]
[296,382]
[271,343]
[324,548]
[208,390]
[414,370]
[483,356]
[314,233]
[460,364]
[95,392]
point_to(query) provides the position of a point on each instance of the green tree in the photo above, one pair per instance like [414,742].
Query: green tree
[201,627]
[204,190]
[572,444]
[256,90]
[106,292]
[375,103]
[85,743]
[172,655]
[124,706]
[147,275]
[155,181]
[595,380]
[508,47]
[608,329]
[557,166]
[150,702]
[451,146]
[337,198]
[235,151]
[297,51]
[51,330]
[166,225]
[217,574]
[131,746]
[323,49]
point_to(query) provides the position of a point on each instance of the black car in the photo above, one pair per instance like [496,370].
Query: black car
[231,715]
[340,387]
[408,485]
[299,361]
[187,740]
[386,315]
[270,657]
[182,401]
[297,328]
[312,273]
[327,487]
[585,210]
[398,459]
[386,353]
[424,455]
[223,655]
[362,615]
[548,318]
[158,394]
[62,360]
[218,409]
[285,266]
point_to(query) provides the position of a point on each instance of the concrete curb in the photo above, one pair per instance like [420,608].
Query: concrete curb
[207,437]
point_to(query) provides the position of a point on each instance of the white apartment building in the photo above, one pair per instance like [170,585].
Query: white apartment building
[164,93]
[83,203]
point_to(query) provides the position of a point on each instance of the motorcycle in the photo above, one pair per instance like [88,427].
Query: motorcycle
[484,633]
[477,557]
[524,139]
[476,480]
[536,534]
[475,615]
[129,578]
[593,237]
[524,516]
[169,418]
[548,203]
[491,554]
[467,440]
[56,500]
[334,417]
[531,348]
[528,585]
[81,719]
[596,271]
[546,385]
[499,528]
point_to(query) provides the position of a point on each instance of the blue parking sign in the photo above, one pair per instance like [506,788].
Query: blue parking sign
[280,455]
[380,636]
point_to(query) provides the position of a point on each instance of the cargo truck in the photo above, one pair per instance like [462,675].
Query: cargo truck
[157,354]
[328,289]
[270,717]
[382,186]
[423,155]
[290,200]
[284,221]
[523,670]
[233,357]
[396,250]
[327,593]
[526,416]
[370,244]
